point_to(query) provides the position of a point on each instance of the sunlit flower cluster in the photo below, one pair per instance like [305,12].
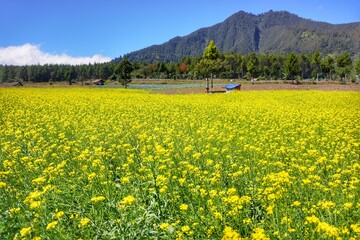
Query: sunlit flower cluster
[96,163]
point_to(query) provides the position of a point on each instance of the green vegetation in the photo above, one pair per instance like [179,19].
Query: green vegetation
[209,63]
[292,68]
[344,64]
[226,66]
[271,32]
[122,72]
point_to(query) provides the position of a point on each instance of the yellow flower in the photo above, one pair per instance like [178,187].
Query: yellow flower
[129,200]
[271,196]
[192,148]
[25,231]
[327,229]
[246,220]
[203,192]
[185,229]
[51,225]
[35,204]
[296,204]
[184,207]
[209,162]
[38,181]
[84,222]
[269,209]
[164,226]
[326,204]
[125,180]
[285,220]
[32,196]
[163,189]
[97,199]
[218,215]
[345,231]
[312,219]
[196,155]
[213,193]
[355,228]
[12,211]
[182,180]
[231,191]
[230,234]
[58,215]
[91,176]
[259,234]
[347,205]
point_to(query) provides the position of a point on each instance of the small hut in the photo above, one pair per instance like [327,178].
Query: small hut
[12,84]
[98,82]
[233,87]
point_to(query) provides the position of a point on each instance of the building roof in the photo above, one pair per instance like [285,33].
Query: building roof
[12,84]
[232,86]
[98,80]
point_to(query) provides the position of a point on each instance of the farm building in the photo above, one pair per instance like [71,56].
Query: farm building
[233,87]
[98,82]
[12,84]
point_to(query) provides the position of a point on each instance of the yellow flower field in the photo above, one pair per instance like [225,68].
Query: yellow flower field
[122,164]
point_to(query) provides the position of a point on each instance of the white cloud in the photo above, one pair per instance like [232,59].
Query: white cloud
[29,54]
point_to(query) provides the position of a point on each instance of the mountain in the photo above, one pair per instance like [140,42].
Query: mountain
[271,32]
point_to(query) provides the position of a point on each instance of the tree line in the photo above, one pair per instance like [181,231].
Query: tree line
[212,64]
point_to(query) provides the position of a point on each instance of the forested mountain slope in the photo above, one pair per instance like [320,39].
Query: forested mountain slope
[271,32]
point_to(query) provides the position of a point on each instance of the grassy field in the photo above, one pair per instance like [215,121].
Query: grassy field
[98,163]
[169,86]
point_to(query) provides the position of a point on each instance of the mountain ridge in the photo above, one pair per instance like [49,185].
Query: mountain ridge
[277,32]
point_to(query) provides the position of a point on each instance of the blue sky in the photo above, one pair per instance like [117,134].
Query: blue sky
[75,31]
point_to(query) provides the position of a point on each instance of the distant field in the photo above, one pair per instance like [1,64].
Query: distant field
[100,163]
[198,86]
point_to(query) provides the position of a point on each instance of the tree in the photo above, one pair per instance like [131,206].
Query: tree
[171,70]
[90,71]
[264,65]
[292,68]
[21,74]
[5,74]
[70,75]
[146,70]
[275,68]
[357,68]
[11,73]
[211,52]
[183,67]
[252,65]
[239,67]
[161,70]
[327,66]
[105,71]
[122,72]
[209,63]
[231,65]
[315,63]
[305,64]
[343,63]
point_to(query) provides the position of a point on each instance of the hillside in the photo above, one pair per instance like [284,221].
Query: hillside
[270,32]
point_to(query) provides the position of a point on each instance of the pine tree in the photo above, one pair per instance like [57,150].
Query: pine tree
[123,71]
[292,68]
[343,63]
[209,64]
